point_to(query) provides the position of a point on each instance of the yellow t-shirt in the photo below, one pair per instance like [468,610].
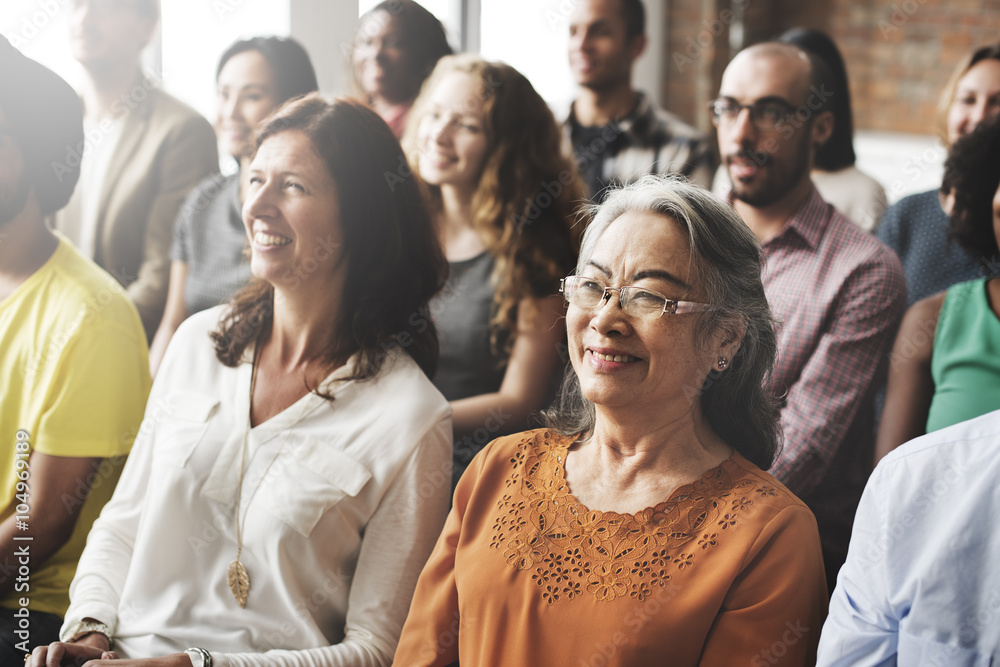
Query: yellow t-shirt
[74,371]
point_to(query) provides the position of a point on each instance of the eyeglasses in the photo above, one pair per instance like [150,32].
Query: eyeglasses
[638,302]
[765,114]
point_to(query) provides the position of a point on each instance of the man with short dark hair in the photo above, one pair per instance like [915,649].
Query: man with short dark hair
[73,365]
[837,293]
[143,152]
[616,132]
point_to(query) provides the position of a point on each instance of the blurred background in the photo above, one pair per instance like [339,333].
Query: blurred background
[899,53]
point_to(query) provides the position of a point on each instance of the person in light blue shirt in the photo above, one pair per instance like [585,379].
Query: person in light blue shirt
[921,585]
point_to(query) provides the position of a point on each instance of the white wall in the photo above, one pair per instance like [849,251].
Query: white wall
[325,28]
[193,33]
[533,37]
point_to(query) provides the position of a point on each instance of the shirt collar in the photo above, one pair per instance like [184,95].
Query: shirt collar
[809,220]
[637,123]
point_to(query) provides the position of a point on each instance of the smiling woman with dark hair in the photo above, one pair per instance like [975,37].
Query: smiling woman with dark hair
[639,528]
[288,480]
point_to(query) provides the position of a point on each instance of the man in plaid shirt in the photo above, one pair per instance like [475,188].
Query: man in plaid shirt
[838,293]
[616,132]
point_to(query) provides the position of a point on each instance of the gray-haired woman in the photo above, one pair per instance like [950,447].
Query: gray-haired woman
[639,528]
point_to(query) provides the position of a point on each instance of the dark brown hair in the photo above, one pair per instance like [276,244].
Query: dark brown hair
[293,71]
[972,173]
[394,262]
[423,38]
[838,151]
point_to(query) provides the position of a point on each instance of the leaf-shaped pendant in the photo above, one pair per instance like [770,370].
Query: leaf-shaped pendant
[239,582]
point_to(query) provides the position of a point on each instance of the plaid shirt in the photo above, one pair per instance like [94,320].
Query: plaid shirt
[839,295]
[648,140]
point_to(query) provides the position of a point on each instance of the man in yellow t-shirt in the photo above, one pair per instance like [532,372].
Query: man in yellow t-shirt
[73,362]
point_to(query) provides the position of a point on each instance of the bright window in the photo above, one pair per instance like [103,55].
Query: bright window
[196,32]
[38,28]
[533,37]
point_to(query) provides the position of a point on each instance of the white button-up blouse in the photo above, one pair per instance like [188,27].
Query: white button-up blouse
[342,500]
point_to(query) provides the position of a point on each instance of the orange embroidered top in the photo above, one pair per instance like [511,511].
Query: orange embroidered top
[726,571]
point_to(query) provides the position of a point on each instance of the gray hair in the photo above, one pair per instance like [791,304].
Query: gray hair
[727,259]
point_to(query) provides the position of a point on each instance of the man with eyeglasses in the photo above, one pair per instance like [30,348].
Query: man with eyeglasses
[142,154]
[73,368]
[838,293]
[616,132]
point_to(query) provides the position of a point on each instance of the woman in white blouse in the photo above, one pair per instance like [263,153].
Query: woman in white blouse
[292,471]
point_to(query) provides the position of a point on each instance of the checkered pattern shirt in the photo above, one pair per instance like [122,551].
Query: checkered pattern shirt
[648,140]
[839,295]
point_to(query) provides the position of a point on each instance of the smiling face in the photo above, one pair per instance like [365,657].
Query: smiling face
[383,62]
[245,95]
[600,53]
[977,97]
[451,136]
[292,216]
[626,362]
[766,165]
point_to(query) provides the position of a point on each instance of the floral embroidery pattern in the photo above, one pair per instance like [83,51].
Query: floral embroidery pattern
[573,551]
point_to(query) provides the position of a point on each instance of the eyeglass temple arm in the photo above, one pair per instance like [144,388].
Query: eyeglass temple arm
[682,307]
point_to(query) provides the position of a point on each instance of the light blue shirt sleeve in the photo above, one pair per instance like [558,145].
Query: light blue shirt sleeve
[862,627]
[921,585]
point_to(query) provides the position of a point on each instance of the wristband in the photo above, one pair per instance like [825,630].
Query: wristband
[82,629]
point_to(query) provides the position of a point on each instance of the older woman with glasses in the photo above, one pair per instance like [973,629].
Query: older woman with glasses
[639,528]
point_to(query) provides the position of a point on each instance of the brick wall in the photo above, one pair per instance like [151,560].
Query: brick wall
[696,52]
[899,53]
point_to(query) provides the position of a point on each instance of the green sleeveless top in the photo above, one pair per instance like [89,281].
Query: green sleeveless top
[965,363]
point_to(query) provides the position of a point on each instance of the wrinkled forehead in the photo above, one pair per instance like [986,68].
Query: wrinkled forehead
[641,243]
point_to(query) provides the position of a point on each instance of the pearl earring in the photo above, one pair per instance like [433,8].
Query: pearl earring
[723,362]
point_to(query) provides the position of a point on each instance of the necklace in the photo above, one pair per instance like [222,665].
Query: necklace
[237,576]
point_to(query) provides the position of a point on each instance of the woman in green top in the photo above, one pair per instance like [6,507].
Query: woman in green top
[945,365]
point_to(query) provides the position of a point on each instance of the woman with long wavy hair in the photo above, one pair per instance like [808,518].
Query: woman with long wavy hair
[502,192]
